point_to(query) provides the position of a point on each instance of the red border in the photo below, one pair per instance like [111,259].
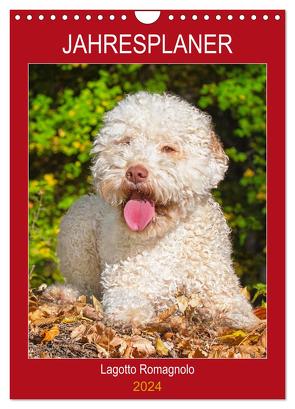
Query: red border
[254,41]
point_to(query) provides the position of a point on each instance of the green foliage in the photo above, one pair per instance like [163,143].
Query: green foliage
[259,290]
[67,104]
[239,95]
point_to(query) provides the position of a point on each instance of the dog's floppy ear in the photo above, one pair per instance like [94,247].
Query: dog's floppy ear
[219,160]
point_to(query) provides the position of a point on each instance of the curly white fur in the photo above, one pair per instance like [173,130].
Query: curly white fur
[185,247]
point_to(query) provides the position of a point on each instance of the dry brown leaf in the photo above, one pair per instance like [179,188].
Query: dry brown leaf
[82,299]
[102,351]
[250,351]
[49,310]
[260,312]
[215,352]
[33,305]
[109,332]
[162,316]
[35,315]
[78,332]
[159,327]
[50,334]
[197,353]
[91,313]
[128,352]
[119,344]
[92,335]
[101,335]
[103,340]
[161,348]
[70,320]
[142,347]
[233,338]
[97,305]
[44,355]
[177,323]
[98,327]
[95,332]
[184,343]
[223,331]
[79,307]
[182,302]
[46,321]
[68,309]
[250,339]
[222,351]
[246,293]
[168,336]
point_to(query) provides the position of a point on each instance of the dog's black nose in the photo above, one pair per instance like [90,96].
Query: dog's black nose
[137,174]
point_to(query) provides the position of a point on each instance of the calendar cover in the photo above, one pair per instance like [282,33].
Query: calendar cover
[147,204]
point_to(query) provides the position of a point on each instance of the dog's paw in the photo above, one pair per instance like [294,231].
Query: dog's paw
[61,294]
[125,307]
[132,317]
[239,320]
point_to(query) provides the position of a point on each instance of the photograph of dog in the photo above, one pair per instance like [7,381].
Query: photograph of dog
[147,211]
[153,226]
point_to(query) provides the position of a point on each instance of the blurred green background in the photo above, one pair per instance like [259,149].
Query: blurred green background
[67,104]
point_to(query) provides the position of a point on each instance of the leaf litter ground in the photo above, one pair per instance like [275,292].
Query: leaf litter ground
[78,329]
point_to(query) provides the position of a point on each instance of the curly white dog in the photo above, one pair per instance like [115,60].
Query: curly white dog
[154,228]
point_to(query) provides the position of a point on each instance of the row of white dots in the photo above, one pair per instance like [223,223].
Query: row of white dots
[171,17]
[228,17]
[65,17]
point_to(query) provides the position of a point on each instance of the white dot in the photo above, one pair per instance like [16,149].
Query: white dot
[229,17]
[52,17]
[100,17]
[88,17]
[265,17]
[182,17]
[277,17]
[218,17]
[123,17]
[76,17]
[17,17]
[171,17]
[112,17]
[242,17]
[29,17]
[41,17]
[64,17]
[206,17]
[194,17]
[253,17]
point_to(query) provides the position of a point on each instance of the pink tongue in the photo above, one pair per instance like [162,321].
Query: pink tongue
[138,213]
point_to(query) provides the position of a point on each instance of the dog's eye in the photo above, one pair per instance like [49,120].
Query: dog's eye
[168,149]
[124,141]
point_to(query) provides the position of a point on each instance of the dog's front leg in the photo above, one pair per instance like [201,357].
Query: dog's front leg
[137,288]
[123,305]
[127,294]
